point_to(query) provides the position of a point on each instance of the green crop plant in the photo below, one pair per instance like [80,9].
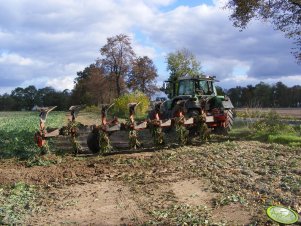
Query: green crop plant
[16,202]
[17,132]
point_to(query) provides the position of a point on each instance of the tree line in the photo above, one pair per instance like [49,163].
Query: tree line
[26,98]
[265,95]
[260,95]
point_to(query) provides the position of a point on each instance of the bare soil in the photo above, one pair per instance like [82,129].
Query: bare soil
[227,182]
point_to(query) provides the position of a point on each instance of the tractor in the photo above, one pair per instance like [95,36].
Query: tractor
[196,96]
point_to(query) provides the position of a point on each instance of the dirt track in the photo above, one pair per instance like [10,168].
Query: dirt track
[231,182]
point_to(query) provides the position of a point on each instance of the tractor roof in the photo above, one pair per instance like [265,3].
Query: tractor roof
[198,78]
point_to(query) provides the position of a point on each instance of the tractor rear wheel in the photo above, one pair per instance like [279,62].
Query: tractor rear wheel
[230,119]
[228,124]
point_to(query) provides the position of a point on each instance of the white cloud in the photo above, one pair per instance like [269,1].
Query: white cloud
[222,49]
[51,39]
[15,59]
[65,82]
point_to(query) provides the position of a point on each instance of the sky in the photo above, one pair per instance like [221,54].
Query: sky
[44,43]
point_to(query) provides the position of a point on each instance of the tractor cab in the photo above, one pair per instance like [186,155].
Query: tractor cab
[196,87]
[190,86]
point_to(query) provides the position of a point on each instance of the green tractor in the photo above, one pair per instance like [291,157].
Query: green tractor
[196,96]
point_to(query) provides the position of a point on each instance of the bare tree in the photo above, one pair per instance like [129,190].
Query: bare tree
[117,57]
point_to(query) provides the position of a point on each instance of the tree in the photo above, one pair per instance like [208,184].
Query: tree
[285,15]
[92,87]
[7,102]
[220,91]
[248,97]
[30,94]
[182,63]
[80,93]
[81,75]
[142,76]
[18,95]
[281,96]
[264,94]
[235,96]
[118,55]
[295,96]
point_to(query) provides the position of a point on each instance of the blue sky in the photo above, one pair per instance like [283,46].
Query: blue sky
[44,43]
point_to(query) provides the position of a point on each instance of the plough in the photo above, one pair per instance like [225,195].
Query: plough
[98,140]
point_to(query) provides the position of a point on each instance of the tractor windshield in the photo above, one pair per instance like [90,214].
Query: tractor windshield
[206,87]
[196,87]
[186,87]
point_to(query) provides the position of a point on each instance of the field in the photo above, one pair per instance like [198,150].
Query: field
[288,113]
[229,181]
[17,131]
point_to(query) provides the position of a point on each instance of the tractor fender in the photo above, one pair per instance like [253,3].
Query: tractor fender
[227,104]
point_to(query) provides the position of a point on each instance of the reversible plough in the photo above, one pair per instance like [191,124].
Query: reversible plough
[98,140]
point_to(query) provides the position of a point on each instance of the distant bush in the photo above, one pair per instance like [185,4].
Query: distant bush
[121,108]
[271,124]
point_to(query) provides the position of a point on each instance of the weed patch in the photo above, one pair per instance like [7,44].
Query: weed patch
[183,214]
[16,202]
[43,160]
[226,200]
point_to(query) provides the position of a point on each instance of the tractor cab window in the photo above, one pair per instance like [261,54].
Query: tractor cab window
[186,87]
[206,87]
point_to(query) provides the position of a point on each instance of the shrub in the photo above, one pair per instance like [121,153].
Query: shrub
[121,108]
[271,124]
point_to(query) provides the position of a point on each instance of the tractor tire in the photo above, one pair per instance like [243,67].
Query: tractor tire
[228,124]
[230,119]
[93,142]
